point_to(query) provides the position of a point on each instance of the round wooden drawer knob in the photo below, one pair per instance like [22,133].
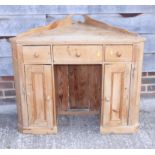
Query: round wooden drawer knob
[36,55]
[78,54]
[118,54]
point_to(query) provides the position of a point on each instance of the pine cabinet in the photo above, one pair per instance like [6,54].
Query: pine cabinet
[72,68]
[39,94]
[116,95]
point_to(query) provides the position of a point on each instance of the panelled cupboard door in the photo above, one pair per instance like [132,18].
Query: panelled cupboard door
[116,94]
[39,96]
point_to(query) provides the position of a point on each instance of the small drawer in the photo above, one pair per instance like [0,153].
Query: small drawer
[75,54]
[118,53]
[36,54]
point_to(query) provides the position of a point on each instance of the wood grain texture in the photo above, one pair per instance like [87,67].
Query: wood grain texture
[95,84]
[103,78]
[116,90]
[6,67]
[76,54]
[78,87]
[85,87]
[16,19]
[119,130]
[39,95]
[22,88]
[86,32]
[35,104]
[61,85]
[118,53]
[17,86]
[136,84]
[37,55]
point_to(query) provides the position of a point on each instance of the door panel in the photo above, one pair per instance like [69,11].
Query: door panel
[116,92]
[39,95]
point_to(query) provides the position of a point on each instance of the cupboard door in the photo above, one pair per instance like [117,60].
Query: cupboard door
[39,96]
[116,92]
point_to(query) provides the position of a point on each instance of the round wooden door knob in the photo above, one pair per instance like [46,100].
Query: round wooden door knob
[48,98]
[107,99]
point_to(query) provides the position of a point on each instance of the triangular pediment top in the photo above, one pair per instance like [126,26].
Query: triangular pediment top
[84,27]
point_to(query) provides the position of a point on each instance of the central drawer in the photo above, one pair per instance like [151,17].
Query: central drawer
[76,54]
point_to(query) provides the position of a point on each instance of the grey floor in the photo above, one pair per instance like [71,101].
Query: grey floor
[78,132]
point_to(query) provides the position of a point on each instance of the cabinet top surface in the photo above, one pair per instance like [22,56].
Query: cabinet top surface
[68,31]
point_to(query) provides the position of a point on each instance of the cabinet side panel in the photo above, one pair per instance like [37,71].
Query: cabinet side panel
[135,84]
[17,84]
[22,87]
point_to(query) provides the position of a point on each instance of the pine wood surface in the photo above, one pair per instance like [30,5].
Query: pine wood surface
[65,30]
[72,68]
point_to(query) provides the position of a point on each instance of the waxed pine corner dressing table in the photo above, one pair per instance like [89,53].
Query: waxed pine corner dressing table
[70,68]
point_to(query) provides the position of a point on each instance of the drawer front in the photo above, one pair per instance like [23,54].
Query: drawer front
[118,53]
[77,54]
[36,54]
